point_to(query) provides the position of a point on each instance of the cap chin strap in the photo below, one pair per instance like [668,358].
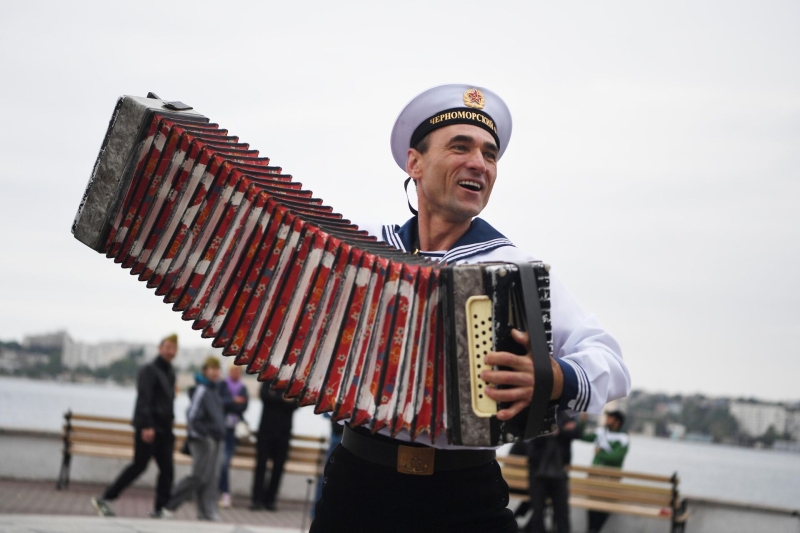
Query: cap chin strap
[405,186]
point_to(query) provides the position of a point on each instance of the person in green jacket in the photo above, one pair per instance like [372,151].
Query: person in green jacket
[610,447]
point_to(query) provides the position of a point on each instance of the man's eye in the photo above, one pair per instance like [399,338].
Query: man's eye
[491,156]
[460,147]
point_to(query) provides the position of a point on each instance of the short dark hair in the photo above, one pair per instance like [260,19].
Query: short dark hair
[619,415]
[422,145]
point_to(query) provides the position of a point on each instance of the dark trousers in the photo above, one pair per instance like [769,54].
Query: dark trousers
[358,495]
[227,453]
[557,489]
[161,449]
[276,449]
[336,439]
[596,521]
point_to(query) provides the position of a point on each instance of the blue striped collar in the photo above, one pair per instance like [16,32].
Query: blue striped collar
[480,238]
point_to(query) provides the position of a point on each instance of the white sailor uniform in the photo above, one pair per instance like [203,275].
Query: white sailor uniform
[365,488]
[591,358]
[358,493]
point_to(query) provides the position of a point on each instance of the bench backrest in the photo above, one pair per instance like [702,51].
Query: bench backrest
[114,432]
[601,483]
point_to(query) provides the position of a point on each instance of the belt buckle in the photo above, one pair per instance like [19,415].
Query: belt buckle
[415,460]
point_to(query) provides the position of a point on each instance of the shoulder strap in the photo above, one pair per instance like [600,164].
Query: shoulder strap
[410,207]
[540,352]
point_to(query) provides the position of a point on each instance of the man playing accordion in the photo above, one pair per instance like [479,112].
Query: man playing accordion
[401,348]
[449,141]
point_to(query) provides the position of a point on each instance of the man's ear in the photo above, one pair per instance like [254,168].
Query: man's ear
[414,164]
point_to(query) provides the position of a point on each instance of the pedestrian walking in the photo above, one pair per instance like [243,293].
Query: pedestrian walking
[153,437]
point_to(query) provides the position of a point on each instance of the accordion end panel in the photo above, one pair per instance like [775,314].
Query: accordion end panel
[465,427]
[121,146]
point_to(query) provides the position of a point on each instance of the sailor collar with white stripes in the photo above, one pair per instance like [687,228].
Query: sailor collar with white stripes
[480,238]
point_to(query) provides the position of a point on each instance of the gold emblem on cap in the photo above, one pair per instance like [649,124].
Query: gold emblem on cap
[474,98]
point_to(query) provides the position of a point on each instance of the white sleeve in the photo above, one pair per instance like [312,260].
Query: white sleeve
[591,358]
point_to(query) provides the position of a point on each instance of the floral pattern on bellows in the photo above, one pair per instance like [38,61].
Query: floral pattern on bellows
[275,278]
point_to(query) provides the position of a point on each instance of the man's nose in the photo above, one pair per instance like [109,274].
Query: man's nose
[477,162]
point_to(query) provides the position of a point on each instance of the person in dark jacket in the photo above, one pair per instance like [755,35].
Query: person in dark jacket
[234,414]
[152,422]
[205,422]
[274,434]
[548,459]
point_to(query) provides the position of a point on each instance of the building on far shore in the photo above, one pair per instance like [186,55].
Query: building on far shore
[793,424]
[75,354]
[94,356]
[12,360]
[756,418]
[46,341]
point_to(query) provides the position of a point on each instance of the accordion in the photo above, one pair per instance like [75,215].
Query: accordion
[298,294]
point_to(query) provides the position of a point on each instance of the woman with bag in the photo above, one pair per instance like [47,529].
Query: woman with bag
[235,427]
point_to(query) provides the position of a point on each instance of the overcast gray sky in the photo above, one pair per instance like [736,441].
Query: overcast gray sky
[654,160]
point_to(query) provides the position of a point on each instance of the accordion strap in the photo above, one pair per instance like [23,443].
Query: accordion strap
[540,353]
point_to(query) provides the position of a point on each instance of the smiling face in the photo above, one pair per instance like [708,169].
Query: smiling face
[456,173]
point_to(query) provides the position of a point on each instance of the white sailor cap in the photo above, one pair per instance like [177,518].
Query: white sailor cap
[444,105]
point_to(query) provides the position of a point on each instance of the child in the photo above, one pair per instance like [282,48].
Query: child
[206,431]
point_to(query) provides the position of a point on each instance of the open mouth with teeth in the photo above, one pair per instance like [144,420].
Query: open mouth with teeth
[470,185]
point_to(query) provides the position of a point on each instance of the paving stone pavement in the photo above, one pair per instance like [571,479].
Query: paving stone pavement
[17,523]
[36,506]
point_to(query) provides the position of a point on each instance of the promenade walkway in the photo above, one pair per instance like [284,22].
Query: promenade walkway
[35,506]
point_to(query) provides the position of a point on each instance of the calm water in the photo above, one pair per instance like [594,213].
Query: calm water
[33,404]
[759,476]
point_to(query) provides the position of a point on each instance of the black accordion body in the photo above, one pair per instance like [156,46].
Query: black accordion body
[302,297]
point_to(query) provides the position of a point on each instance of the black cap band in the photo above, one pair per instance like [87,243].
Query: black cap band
[457,115]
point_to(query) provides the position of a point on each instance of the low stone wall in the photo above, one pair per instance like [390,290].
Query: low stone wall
[739,517]
[36,455]
[706,516]
[620,523]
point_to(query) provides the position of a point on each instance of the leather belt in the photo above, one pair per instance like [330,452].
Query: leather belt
[410,458]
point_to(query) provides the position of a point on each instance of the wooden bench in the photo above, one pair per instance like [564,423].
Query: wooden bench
[610,490]
[103,436]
